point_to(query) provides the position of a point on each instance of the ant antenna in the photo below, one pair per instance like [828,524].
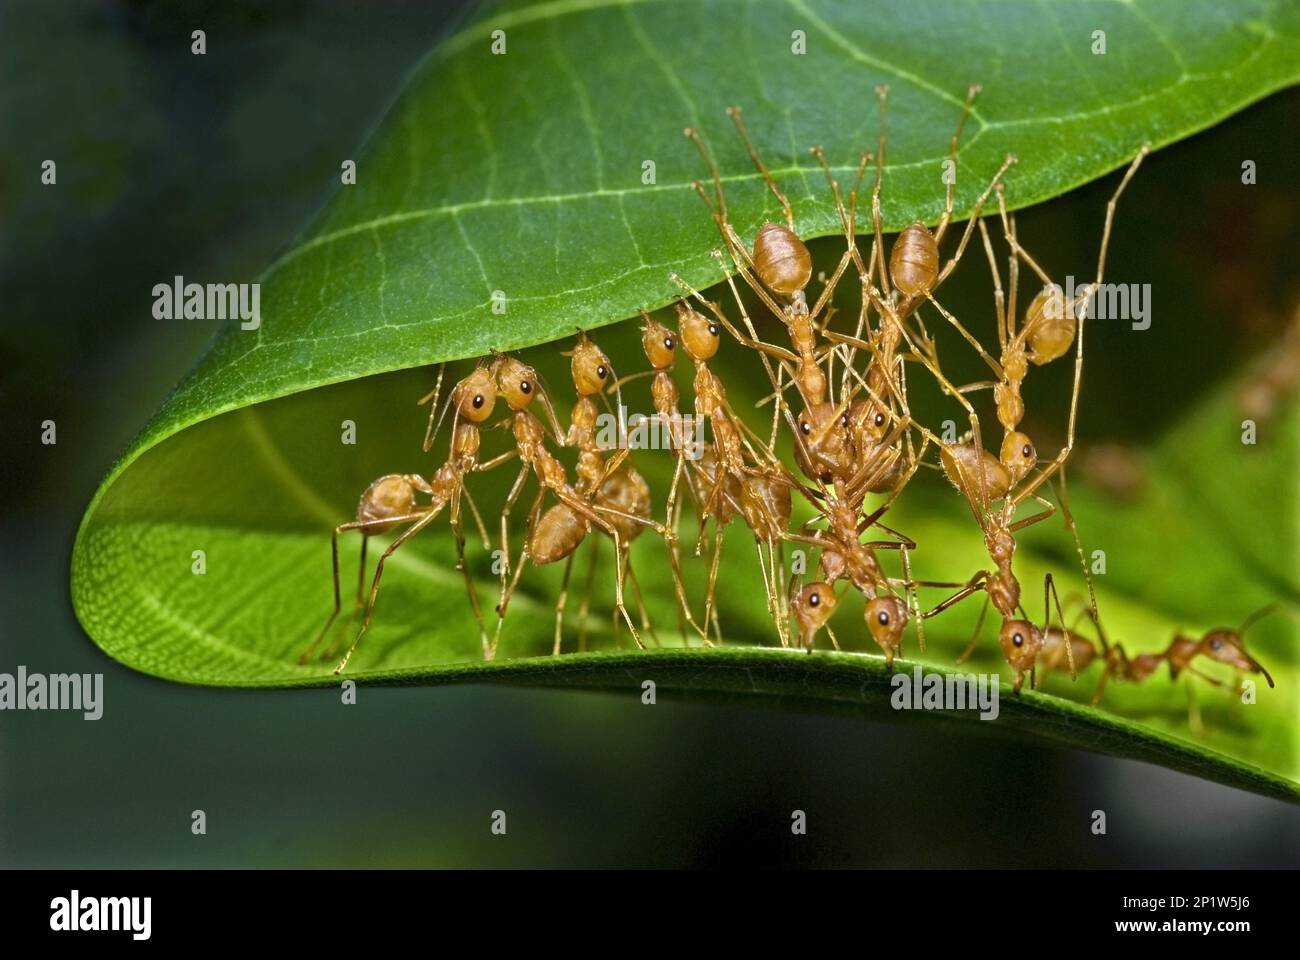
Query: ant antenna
[431,431]
[1258,615]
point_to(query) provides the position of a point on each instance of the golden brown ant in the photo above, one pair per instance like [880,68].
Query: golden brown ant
[390,501]
[1224,645]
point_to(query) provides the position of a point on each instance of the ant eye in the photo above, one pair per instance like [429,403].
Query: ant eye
[526,387]
[602,372]
[814,599]
[880,419]
[803,425]
[883,617]
[713,329]
[1027,451]
[1018,640]
[669,343]
[478,400]
[844,420]
[1216,643]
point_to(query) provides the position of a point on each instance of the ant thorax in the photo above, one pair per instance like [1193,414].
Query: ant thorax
[529,434]
[465,444]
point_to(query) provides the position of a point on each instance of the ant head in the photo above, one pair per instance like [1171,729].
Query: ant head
[1226,646]
[1018,454]
[591,368]
[700,335]
[659,343]
[781,260]
[886,618]
[517,382]
[871,418]
[475,395]
[824,435]
[1021,641]
[813,606]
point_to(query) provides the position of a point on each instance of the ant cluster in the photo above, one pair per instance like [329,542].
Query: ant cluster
[855,442]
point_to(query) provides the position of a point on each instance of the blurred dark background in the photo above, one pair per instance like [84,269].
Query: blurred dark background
[206,166]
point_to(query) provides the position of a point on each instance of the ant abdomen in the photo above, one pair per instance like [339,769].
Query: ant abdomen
[781,260]
[627,492]
[1054,654]
[1049,326]
[977,474]
[558,533]
[914,261]
[389,496]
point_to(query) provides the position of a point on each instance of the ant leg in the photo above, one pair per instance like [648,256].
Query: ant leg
[672,519]
[1114,202]
[508,590]
[710,596]
[338,600]
[734,113]
[1049,510]
[999,298]
[560,603]
[961,328]
[1078,547]
[515,490]
[974,583]
[584,608]
[882,94]
[773,608]
[1049,590]
[720,213]
[458,534]
[405,535]
[710,613]
[979,625]
[478,519]
[1101,684]
[1193,710]
[951,264]
[592,512]
[646,625]
[913,601]
[971,93]
[845,221]
[328,654]
[1018,253]
[1013,265]
[776,553]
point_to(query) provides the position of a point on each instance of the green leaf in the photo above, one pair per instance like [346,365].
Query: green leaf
[523,173]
